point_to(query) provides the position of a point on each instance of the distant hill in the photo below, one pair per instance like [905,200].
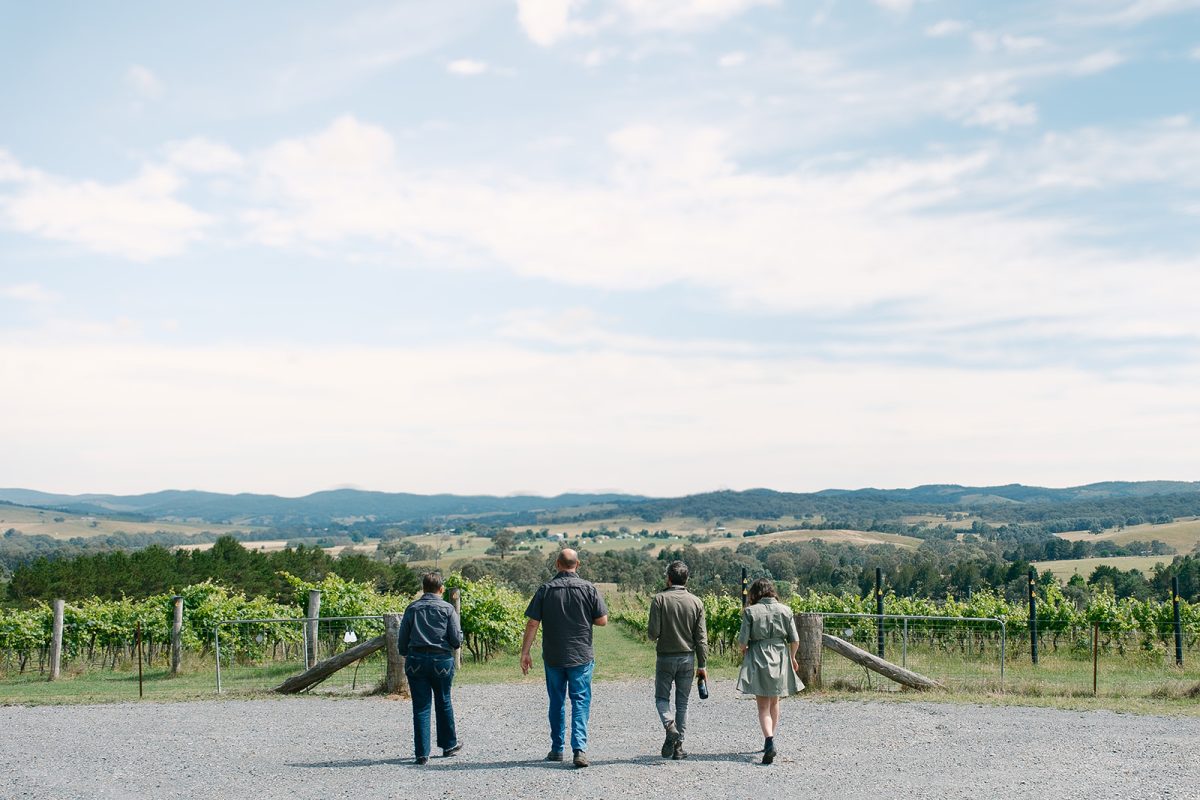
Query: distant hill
[313,508]
[1013,501]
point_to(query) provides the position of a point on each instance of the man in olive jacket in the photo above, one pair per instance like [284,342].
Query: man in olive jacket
[677,625]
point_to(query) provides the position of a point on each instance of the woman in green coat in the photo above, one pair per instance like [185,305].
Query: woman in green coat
[769,643]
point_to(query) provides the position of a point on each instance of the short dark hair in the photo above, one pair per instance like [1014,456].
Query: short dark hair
[763,587]
[432,581]
[677,573]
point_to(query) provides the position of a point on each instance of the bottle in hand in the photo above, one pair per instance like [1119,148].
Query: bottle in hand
[702,688]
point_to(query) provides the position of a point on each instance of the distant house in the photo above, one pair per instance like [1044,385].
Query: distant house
[556,537]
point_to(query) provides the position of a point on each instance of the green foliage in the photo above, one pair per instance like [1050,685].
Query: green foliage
[492,615]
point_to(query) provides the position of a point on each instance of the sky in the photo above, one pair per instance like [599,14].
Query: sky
[655,246]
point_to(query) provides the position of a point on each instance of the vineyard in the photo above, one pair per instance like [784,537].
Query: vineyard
[103,634]
[970,644]
[965,642]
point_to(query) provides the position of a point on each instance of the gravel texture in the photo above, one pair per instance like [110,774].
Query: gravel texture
[320,748]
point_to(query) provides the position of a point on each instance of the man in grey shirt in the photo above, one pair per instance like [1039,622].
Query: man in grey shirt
[566,608]
[677,625]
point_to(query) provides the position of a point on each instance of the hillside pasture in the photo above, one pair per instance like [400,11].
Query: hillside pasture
[62,525]
[861,538]
[1182,534]
[1063,570]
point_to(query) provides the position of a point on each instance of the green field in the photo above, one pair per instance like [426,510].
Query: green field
[61,525]
[862,538]
[1063,570]
[1182,534]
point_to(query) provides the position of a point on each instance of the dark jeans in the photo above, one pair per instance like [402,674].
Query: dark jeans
[575,682]
[679,670]
[429,678]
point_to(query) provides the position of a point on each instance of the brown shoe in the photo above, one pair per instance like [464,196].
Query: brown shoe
[671,741]
[580,760]
[554,755]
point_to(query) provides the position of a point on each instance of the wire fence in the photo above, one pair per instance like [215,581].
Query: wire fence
[985,655]
[259,654]
[959,652]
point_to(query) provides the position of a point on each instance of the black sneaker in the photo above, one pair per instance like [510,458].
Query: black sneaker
[554,755]
[422,760]
[769,753]
[580,759]
[678,753]
[452,751]
[672,739]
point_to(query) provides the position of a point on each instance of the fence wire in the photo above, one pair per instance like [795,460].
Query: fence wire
[259,654]
[960,653]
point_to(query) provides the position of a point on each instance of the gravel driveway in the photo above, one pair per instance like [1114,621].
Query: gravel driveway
[318,748]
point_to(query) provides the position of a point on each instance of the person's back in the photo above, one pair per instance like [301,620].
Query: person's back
[678,629]
[566,608]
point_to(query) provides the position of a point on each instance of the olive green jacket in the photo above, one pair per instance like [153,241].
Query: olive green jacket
[677,624]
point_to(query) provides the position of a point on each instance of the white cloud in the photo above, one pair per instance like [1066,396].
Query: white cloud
[946,27]
[1195,54]
[684,15]
[895,6]
[545,21]
[889,425]
[140,219]
[467,67]
[1166,151]
[1003,115]
[202,156]
[144,83]
[29,292]
[1098,62]
[676,209]
[1135,12]
[988,42]
[735,59]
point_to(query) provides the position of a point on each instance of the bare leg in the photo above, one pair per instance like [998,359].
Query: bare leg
[765,720]
[774,715]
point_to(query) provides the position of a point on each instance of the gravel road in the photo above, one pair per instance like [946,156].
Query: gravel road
[319,748]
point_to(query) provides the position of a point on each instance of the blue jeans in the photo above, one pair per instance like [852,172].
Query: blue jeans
[429,678]
[576,682]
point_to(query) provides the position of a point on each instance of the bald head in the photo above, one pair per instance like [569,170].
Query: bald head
[568,560]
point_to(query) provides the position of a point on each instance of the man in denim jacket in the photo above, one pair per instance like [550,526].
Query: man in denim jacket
[430,632]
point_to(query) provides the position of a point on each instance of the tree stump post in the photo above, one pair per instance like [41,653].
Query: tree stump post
[395,681]
[56,640]
[310,627]
[177,635]
[810,628]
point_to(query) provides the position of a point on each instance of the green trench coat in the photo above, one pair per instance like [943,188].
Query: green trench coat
[767,628]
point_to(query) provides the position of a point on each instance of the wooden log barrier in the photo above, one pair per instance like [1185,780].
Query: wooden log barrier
[876,664]
[322,670]
[394,682]
[810,627]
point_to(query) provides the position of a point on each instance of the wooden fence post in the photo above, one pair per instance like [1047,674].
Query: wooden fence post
[56,640]
[456,601]
[310,627]
[177,635]
[395,681]
[810,627]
